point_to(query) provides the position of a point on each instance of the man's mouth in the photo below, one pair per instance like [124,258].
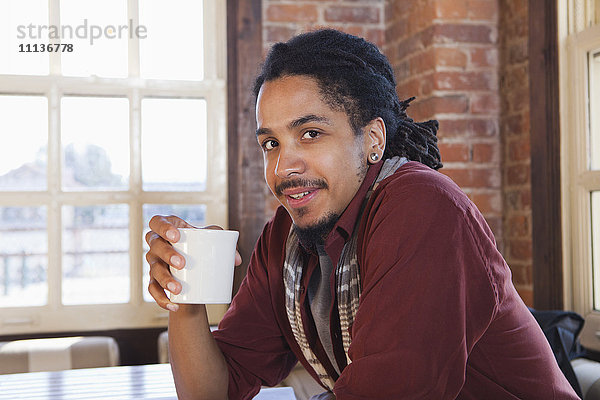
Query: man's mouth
[298,196]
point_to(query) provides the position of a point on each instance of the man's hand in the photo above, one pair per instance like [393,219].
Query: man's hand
[163,232]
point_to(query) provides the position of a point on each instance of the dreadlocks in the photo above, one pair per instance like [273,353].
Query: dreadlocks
[354,76]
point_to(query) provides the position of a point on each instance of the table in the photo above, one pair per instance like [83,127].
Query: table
[153,381]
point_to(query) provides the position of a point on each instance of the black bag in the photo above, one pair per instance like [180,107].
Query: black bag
[562,330]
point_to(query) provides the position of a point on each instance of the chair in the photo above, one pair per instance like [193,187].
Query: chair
[53,354]
[163,347]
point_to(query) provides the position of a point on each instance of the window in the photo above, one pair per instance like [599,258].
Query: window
[580,142]
[111,111]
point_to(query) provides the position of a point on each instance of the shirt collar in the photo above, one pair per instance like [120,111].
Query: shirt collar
[346,222]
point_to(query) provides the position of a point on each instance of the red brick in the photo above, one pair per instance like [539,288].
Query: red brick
[356,30]
[454,152]
[487,203]
[515,77]
[468,127]
[516,124]
[292,12]
[430,107]
[464,33]
[512,200]
[484,57]
[522,271]
[451,9]
[422,61]
[474,178]
[420,17]
[482,10]
[518,174]
[408,88]
[519,149]
[485,152]
[486,103]
[411,45]
[396,31]
[279,33]
[427,84]
[402,70]
[518,99]
[450,57]
[352,14]
[526,199]
[480,80]
[520,249]
[376,36]
[518,226]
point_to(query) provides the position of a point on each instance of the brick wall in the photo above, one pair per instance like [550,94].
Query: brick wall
[515,133]
[446,54]
[465,72]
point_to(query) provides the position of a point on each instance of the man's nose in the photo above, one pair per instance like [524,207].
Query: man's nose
[289,162]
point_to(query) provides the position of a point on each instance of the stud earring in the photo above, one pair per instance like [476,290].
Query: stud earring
[374,157]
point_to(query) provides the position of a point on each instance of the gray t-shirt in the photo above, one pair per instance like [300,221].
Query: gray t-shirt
[319,297]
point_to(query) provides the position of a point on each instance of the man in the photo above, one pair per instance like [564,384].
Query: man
[376,273]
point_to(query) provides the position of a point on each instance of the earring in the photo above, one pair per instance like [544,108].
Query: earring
[374,157]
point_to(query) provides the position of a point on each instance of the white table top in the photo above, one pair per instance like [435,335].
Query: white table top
[125,383]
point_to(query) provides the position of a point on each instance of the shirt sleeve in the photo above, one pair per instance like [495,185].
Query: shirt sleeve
[427,295]
[249,335]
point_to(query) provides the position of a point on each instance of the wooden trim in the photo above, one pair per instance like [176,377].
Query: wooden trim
[246,182]
[545,155]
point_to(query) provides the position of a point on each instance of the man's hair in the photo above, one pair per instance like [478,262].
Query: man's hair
[355,77]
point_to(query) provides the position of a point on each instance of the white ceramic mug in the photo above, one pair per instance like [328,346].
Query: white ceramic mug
[207,277]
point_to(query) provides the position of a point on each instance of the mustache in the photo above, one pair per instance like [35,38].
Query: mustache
[299,182]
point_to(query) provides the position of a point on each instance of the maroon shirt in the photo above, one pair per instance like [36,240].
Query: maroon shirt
[439,317]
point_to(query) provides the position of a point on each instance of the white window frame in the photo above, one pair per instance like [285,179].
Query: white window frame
[137,313]
[579,34]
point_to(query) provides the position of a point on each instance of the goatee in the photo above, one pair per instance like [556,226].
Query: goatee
[312,236]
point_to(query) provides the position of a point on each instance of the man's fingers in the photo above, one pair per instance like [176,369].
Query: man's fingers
[159,296]
[166,226]
[161,274]
[238,258]
[160,248]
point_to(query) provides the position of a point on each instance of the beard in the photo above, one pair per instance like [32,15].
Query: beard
[312,236]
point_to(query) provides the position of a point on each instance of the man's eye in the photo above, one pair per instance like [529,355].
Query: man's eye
[310,134]
[270,144]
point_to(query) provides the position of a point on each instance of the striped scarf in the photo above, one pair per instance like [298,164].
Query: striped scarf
[347,280]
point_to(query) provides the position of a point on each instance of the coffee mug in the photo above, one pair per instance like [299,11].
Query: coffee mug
[207,277]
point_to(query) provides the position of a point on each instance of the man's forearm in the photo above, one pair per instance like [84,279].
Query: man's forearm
[199,368]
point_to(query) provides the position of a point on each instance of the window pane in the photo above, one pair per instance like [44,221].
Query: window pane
[177,128]
[99,31]
[194,214]
[173,46]
[23,155]
[95,254]
[595,109]
[22,23]
[595,200]
[23,256]
[95,140]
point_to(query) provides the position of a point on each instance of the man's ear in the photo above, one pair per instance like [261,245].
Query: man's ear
[374,140]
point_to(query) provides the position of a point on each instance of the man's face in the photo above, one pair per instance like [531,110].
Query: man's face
[314,163]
